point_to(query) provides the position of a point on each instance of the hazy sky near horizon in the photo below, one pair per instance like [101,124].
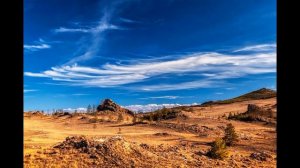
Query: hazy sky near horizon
[78,52]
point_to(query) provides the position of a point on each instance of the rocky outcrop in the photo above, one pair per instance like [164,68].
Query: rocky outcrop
[109,105]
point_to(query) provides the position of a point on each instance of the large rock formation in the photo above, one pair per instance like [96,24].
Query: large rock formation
[109,105]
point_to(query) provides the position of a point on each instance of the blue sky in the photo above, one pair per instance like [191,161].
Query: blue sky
[78,52]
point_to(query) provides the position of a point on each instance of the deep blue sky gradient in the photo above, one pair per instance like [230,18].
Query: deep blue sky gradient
[147,31]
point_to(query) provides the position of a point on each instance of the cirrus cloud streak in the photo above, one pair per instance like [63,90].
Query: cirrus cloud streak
[213,68]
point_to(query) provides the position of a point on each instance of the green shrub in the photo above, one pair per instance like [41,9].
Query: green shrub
[230,137]
[218,149]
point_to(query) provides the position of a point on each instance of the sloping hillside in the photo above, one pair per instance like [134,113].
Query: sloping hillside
[255,95]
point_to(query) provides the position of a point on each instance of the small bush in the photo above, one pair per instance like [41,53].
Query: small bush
[162,114]
[230,137]
[230,115]
[218,149]
[246,117]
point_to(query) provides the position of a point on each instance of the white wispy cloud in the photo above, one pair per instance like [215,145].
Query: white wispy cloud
[41,40]
[80,94]
[29,90]
[259,47]
[97,33]
[181,86]
[36,47]
[167,97]
[162,97]
[214,67]
[99,28]
[128,20]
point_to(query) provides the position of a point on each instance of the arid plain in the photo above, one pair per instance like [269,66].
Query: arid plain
[115,137]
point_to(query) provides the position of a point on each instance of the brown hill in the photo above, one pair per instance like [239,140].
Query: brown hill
[255,95]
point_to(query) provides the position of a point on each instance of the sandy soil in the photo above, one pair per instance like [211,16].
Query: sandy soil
[204,125]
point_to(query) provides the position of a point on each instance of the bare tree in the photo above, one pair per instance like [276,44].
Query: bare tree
[89,109]
[94,108]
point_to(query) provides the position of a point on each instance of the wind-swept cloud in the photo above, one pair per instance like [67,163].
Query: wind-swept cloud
[167,97]
[215,68]
[80,94]
[29,90]
[95,33]
[126,20]
[101,27]
[96,39]
[260,47]
[181,86]
[36,47]
[162,97]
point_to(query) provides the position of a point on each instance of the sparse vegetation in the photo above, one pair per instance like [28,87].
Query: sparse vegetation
[244,117]
[190,109]
[162,114]
[89,109]
[134,119]
[230,137]
[177,142]
[230,115]
[254,113]
[218,149]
